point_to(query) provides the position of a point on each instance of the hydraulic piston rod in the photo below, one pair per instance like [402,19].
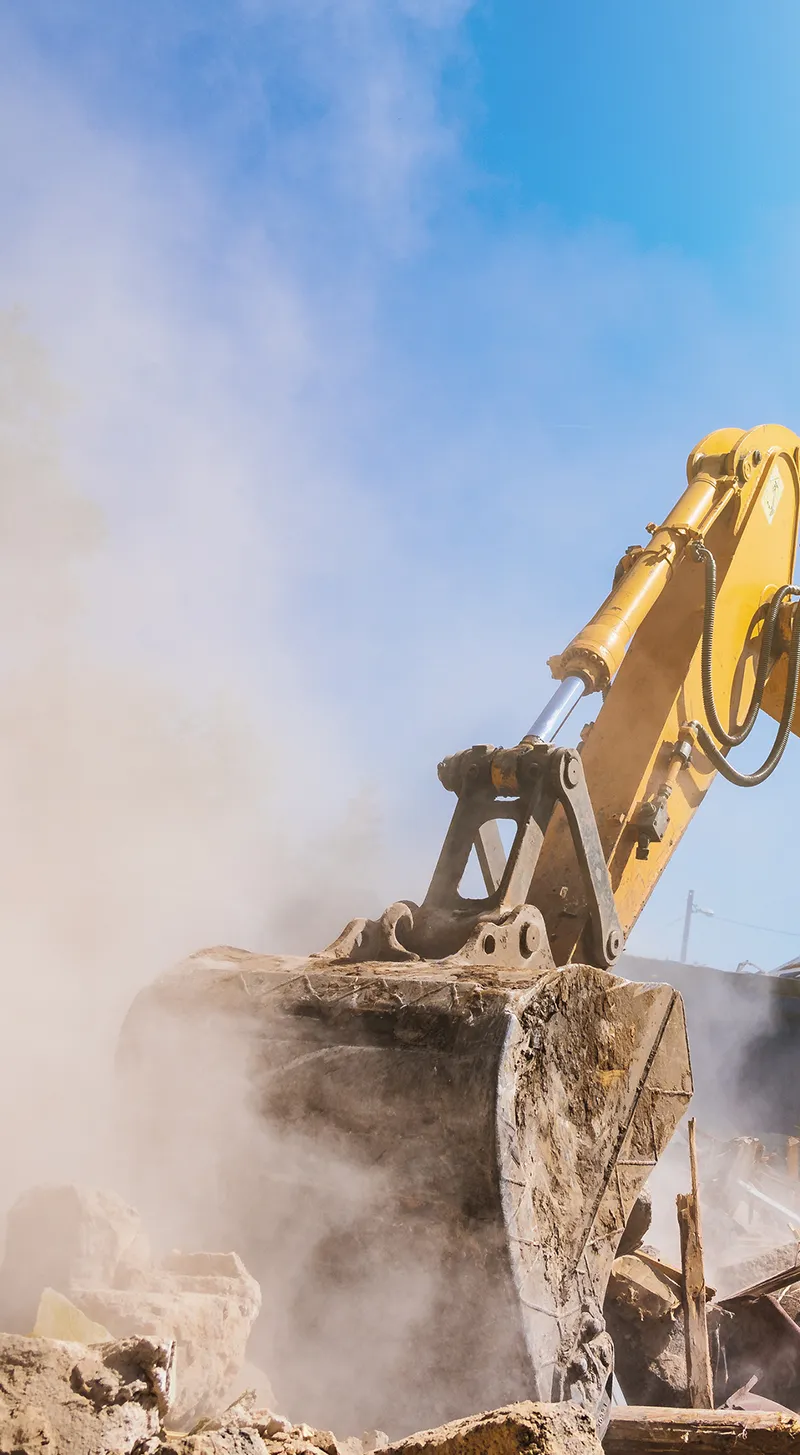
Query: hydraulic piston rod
[566,697]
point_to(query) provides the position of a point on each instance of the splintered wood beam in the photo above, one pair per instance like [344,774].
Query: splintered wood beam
[639,1428]
[698,1356]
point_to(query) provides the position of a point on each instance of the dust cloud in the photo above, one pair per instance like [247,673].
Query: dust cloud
[138,823]
[138,814]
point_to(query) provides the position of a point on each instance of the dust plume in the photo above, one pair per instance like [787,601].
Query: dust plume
[177,428]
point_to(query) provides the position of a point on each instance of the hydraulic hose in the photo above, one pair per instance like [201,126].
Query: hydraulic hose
[712,749]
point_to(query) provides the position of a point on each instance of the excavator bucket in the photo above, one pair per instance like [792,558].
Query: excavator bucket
[497,1126]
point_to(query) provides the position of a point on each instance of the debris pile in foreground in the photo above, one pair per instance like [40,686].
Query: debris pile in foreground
[111,1351]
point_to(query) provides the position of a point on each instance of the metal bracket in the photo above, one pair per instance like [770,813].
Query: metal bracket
[522,784]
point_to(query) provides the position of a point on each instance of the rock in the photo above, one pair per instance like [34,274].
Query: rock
[636,1228]
[237,1439]
[643,1317]
[59,1398]
[373,1440]
[211,1329]
[733,1277]
[634,1285]
[87,1250]
[216,1442]
[539,1429]
[58,1317]
[57,1237]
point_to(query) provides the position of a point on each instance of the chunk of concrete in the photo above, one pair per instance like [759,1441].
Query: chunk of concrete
[60,1237]
[209,1315]
[59,1318]
[644,1319]
[62,1397]
[539,1429]
[634,1286]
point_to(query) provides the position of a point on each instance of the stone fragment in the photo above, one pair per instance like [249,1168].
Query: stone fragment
[635,1286]
[216,1442]
[733,1277]
[61,1398]
[86,1249]
[211,1331]
[58,1317]
[637,1226]
[649,1347]
[61,1237]
[539,1429]
[219,1437]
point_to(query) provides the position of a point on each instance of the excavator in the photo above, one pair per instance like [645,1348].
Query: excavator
[473,1065]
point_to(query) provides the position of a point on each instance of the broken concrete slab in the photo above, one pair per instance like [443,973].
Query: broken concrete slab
[643,1315]
[539,1429]
[211,1331]
[63,1397]
[635,1285]
[64,1236]
[639,1219]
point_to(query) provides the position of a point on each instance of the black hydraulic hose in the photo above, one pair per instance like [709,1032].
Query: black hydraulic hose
[740,733]
[704,738]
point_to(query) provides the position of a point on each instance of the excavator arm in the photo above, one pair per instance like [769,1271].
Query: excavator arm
[649,756]
[471,1063]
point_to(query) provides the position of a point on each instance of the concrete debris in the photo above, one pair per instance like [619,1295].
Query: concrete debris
[245,1429]
[209,1313]
[644,1318]
[59,1398]
[78,1266]
[634,1285]
[638,1224]
[539,1429]
[59,1318]
[373,1440]
[61,1238]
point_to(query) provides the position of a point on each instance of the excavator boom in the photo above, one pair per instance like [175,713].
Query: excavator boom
[474,1058]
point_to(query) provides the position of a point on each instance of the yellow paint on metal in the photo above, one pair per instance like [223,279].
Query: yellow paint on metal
[743,499]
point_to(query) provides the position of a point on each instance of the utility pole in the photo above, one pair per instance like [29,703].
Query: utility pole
[687,925]
[691,908]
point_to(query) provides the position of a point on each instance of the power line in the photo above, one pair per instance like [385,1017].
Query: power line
[745,925]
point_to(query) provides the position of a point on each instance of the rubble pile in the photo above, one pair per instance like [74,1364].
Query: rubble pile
[79,1257]
[751,1208]
[110,1399]
[109,1350]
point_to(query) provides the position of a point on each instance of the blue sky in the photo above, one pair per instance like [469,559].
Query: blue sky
[376,331]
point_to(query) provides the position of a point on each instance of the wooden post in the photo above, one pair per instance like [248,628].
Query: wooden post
[793,1158]
[698,1355]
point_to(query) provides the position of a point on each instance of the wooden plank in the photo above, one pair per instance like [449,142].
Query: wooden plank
[775,1284]
[634,1428]
[698,1355]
